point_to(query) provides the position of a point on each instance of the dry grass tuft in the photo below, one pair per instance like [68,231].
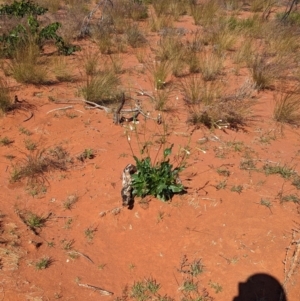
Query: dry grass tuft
[287,107]
[39,162]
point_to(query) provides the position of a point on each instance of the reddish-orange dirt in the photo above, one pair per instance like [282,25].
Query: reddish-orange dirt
[235,235]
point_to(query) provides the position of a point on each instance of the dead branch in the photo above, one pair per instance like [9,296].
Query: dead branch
[96,288]
[117,117]
[96,106]
[288,10]
[31,115]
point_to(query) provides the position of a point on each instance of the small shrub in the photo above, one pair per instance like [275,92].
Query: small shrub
[160,180]
[21,34]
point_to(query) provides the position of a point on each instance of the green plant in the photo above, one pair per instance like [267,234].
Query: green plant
[43,263]
[144,290]
[159,179]
[21,34]
[287,108]
[6,141]
[32,220]
[284,171]
[67,245]
[89,233]
[194,268]
[88,153]
[189,286]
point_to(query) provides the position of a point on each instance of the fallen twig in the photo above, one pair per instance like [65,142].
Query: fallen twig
[96,288]
[31,115]
[95,105]
[58,109]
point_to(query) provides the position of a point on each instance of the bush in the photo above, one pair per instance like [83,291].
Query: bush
[22,34]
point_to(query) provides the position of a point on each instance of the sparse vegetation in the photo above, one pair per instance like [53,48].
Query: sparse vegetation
[5,141]
[237,188]
[284,171]
[43,263]
[36,164]
[199,77]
